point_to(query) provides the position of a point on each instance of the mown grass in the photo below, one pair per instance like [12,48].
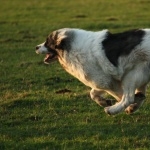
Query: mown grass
[41,106]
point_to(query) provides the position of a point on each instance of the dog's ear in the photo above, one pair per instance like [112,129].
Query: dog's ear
[61,42]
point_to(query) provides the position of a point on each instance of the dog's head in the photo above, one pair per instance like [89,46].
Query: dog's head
[54,45]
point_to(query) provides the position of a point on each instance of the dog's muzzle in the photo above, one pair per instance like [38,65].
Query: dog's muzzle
[50,55]
[37,49]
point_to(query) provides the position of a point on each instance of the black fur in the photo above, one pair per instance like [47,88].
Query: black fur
[119,44]
[52,43]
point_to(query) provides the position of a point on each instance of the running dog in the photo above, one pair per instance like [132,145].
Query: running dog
[118,64]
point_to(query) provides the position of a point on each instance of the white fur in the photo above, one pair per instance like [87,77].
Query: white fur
[86,61]
[41,49]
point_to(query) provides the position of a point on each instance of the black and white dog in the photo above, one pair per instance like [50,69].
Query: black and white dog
[118,64]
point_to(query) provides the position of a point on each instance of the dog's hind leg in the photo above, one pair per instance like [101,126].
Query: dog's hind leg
[131,81]
[96,96]
[138,100]
[127,99]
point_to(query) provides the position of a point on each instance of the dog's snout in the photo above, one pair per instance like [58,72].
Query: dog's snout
[37,47]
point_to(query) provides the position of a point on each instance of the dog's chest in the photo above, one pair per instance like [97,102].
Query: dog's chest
[77,69]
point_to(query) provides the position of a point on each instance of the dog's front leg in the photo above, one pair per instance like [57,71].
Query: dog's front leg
[96,96]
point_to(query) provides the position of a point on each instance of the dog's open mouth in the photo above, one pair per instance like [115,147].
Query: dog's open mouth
[49,58]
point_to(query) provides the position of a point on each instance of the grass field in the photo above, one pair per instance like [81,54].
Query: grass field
[44,108]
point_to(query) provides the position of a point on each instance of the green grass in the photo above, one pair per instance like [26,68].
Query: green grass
[34,112]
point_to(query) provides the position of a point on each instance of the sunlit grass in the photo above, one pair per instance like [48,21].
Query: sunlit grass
[35,112]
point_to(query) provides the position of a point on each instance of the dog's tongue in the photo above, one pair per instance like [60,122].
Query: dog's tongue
[46,59]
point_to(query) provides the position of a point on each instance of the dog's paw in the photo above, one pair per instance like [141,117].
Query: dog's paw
[110,110]
[106,109]
[131,109]
[139,100]
[115,109]
[105,103]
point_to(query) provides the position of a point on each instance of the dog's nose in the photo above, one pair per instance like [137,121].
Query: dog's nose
[37,47]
